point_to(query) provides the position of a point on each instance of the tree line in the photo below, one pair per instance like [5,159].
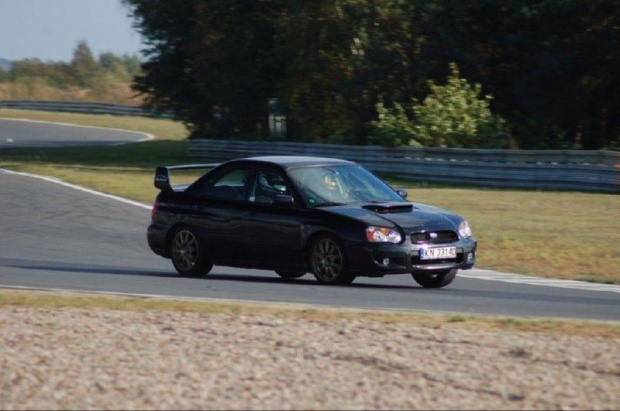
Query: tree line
[107,78]
[487,73]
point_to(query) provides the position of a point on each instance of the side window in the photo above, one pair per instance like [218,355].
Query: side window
[267,185]
[230,186]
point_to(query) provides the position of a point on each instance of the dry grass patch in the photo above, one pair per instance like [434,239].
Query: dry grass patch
[40,299]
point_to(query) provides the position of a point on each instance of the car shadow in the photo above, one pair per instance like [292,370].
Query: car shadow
[91,269]
[450,290]
[98,269]
[214,276]
[309,281]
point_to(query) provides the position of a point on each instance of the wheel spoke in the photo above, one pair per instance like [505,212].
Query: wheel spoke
[330,248]
[327,260]
[185,250]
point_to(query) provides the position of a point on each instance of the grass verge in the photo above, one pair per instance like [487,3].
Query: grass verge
[54,300]
[552,234]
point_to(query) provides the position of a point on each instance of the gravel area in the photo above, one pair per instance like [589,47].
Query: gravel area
[102,359]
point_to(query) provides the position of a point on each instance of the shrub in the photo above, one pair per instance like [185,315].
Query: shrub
[457,115]
[393,127]
[452,115]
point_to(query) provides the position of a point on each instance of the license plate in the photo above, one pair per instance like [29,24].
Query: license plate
[438,253]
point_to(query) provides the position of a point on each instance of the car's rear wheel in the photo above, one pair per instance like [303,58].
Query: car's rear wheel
[328,261]
[435,280]
[290,274]
[187,254]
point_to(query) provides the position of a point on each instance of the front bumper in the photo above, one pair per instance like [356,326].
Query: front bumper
[377,260]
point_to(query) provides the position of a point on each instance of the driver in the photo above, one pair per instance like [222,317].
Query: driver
[332,188]
[330,182]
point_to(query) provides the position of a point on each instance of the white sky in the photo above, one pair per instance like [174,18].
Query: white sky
[51,29]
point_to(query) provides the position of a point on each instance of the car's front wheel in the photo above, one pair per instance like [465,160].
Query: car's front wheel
[435,280]
[290,274]
[328,261]
[187,254]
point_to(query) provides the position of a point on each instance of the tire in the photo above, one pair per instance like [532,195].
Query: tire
[328,261]
[187,254]
[435,280]
[290,274]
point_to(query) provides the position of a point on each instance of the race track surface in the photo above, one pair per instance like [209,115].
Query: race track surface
[56,237]
[20,133]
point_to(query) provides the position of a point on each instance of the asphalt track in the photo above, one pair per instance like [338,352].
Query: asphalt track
[19,133]
[57,237]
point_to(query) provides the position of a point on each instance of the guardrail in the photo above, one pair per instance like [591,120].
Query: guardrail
[77,107]
[578,170]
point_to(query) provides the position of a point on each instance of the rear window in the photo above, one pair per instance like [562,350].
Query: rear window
[230,186]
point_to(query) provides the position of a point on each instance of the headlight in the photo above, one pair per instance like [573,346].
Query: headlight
[382,235]
[464,230]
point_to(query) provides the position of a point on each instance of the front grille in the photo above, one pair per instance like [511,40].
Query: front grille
[434,237]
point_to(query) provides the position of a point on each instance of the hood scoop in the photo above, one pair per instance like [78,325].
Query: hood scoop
[389,208]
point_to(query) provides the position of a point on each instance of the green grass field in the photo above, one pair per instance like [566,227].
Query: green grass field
[552,234]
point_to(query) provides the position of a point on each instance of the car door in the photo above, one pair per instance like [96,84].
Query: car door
[221,205]
[273,231]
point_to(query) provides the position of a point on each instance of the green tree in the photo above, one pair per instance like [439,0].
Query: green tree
[84,68]
[552,64]
[114,66]
[213,63]
[132,65]
[316,41]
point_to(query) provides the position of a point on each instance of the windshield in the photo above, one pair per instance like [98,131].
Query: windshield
[341,184]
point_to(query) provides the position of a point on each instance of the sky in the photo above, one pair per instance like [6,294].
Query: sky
[51,29]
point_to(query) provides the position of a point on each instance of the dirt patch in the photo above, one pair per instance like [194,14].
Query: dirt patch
[73,358]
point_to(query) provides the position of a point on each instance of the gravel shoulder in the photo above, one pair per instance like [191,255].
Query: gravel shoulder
[78,358]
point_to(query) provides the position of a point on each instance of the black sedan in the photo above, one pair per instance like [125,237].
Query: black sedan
[295,215]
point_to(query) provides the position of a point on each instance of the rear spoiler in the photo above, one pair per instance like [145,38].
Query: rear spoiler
[162,174]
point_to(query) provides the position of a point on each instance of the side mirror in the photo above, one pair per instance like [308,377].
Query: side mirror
[402,192]
[283,199]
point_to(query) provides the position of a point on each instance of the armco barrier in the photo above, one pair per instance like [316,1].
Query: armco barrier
[88,108]
[577,170]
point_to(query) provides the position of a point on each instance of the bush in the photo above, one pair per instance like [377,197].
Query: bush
[457,115]
[454,115]
[393,127]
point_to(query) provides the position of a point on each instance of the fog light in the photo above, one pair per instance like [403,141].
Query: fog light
[386,261]
[470,257]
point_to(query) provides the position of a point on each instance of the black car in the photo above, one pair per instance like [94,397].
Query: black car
[295,215]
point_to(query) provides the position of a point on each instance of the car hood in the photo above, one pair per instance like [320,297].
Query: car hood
[411,217]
